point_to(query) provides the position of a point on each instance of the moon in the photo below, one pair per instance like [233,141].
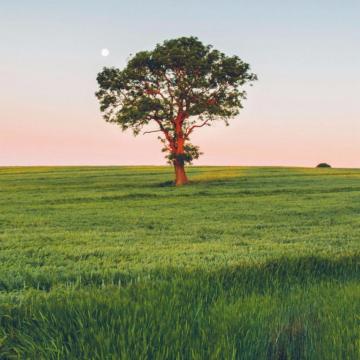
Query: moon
[105,52]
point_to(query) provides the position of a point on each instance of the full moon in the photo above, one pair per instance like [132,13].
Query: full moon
[105,52]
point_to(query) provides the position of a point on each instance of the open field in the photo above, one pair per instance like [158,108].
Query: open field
[112,262]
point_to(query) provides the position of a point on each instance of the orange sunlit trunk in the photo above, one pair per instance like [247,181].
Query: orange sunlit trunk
[179,164]
[180,175]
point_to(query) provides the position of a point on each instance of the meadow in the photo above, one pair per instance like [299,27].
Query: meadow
[116,263]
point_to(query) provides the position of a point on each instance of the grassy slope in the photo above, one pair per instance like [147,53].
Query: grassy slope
[244,262]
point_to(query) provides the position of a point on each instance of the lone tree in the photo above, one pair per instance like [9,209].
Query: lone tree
[323,165]
[180,86]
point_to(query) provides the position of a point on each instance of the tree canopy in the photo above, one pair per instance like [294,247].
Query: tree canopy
[180,86]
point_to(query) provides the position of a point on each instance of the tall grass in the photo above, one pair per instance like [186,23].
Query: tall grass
[245,263]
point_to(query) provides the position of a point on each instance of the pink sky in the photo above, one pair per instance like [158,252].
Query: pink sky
[261,135]
[303,110]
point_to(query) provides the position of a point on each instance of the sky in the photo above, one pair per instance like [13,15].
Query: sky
[304,109]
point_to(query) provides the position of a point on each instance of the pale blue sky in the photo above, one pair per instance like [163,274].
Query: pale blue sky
[303,110]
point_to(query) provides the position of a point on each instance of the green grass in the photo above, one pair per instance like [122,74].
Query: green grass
[244,263]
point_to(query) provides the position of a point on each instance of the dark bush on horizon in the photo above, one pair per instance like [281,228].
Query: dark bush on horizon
[323,165]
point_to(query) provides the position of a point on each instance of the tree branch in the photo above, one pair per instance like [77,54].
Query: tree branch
[167,135]
[153,131]
[190,130]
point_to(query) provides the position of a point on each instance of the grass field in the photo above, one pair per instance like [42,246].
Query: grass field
[244,263]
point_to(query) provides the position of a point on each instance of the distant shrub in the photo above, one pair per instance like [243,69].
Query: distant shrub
[324,165]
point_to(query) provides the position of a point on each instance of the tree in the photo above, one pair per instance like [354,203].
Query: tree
[180,86]
[323,165]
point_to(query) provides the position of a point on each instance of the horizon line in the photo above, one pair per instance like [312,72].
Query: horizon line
[165,165]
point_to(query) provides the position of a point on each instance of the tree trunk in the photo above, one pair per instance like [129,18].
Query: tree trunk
[180,175]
